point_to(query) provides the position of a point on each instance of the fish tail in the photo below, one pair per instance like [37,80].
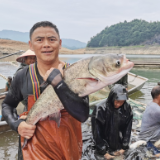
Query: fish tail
[56,117]
[25,143]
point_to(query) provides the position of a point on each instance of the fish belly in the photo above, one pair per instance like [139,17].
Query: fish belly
[47,104]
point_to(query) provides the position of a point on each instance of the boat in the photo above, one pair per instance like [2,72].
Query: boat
[135,83]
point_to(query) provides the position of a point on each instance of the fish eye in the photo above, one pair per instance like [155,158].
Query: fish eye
[118,63]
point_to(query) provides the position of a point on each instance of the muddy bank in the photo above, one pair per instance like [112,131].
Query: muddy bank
[126,50]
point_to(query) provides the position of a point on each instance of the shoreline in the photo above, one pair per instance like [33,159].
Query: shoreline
[10,46]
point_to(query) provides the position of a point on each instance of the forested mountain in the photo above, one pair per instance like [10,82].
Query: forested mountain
[127,33]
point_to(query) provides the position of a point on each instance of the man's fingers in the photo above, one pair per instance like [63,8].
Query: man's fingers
[117,153]
[30,127]
[157,155]
[25,129]
[23,117]
[27,137]
[108,156]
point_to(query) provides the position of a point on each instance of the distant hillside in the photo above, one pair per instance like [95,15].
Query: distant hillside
[15,35]
[24,37]
[73,44]
[135,32]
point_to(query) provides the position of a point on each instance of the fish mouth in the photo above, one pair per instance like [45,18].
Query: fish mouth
[115,77]
[89,79]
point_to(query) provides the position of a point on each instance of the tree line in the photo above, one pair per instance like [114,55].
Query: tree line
[126,33]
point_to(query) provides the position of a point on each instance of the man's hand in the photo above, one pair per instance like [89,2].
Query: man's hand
[157,155]
[108,156]
[121,151]
[60,68]
[26,130]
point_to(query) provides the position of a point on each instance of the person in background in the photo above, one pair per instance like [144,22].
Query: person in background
[26,59]
[112,123]
[123,81]
[150,128]
[8,83]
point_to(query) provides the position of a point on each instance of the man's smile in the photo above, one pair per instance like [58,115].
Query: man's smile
[47,52]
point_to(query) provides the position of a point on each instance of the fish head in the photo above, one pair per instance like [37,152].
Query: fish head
[106,70]
[110,68]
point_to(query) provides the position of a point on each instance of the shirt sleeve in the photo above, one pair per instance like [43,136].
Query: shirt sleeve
[78,107]
[98,125]
[125,81]
[127,131]
[10,102]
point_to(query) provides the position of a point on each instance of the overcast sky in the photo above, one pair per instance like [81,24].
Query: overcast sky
[76,19]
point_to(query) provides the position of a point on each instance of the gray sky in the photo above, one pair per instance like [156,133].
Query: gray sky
[76,19]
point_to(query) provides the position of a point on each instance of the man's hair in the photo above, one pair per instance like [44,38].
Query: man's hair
[155,92]
[43,24]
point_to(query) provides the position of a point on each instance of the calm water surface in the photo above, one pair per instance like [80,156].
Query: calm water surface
[9,139]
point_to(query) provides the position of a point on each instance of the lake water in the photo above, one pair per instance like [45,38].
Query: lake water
[9,139]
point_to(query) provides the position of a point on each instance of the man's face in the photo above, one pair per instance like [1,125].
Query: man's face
[118,103]
[46,43]
[30,60]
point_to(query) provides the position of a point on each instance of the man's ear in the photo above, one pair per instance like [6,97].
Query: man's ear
[30,45]
[60,42]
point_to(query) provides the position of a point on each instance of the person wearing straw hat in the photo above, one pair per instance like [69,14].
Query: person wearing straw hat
[26,59]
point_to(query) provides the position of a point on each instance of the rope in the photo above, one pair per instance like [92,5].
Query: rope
[3,76]
[10,54]
[134,78]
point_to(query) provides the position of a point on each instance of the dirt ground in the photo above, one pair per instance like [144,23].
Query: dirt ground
[10,46]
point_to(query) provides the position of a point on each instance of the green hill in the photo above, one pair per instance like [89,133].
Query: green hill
[135,32]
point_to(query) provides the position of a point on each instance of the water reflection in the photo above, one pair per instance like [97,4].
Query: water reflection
[8,145]
[144,95]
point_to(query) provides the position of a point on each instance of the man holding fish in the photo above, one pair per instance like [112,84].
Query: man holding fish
[45,42]
[59,105]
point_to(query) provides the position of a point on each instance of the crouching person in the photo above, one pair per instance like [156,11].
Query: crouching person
[112,123]
[150,128]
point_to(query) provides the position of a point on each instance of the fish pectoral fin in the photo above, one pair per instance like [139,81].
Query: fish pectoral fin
[43,118]
[56,117]
[89,80]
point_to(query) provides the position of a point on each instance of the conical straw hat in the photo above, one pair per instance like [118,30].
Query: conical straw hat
[27,53]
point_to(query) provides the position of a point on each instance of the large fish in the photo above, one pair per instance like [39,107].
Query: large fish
[83,77]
